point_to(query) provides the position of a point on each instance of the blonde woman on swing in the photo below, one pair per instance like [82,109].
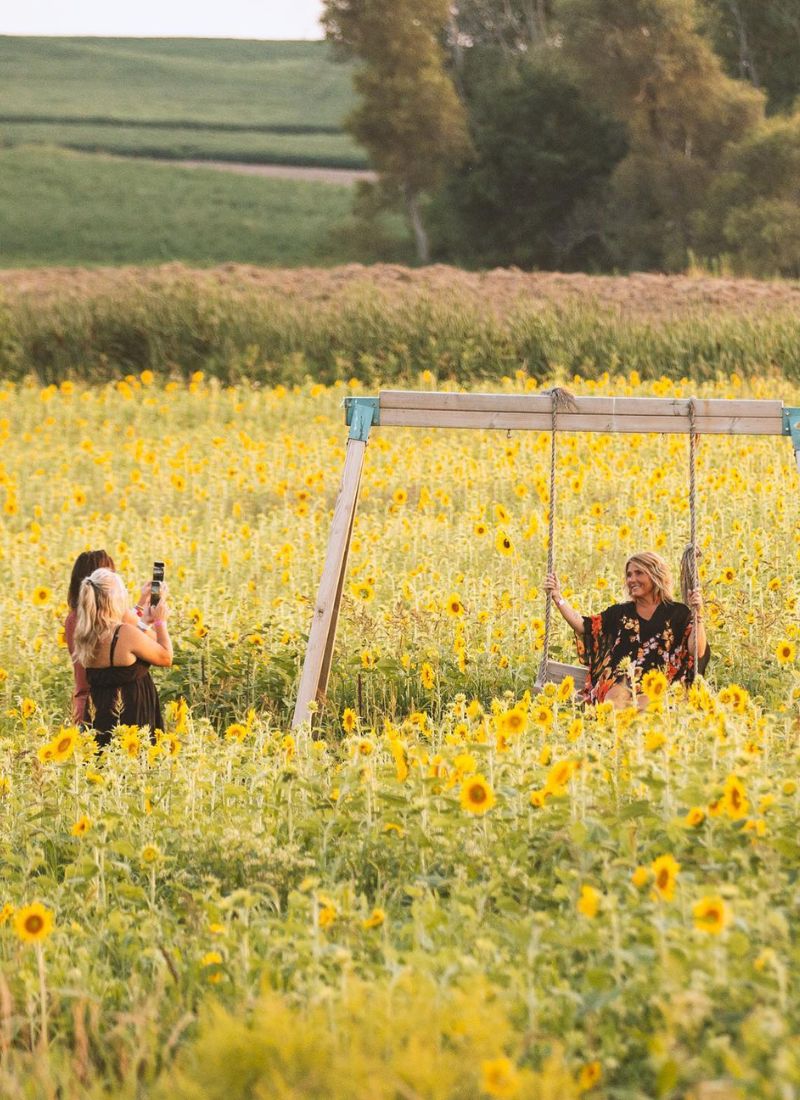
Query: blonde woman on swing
[650,631]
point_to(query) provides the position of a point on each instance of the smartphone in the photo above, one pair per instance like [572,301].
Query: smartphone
[155,587]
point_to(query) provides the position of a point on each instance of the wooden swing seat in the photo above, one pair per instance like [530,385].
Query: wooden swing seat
[556,671]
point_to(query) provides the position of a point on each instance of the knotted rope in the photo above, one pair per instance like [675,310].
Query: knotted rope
[690,578]
[561,400]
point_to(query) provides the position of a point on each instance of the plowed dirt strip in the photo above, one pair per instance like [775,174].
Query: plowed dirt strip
[660,297]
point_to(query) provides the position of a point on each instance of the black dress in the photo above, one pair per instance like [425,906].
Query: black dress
[619,636]
[122,695]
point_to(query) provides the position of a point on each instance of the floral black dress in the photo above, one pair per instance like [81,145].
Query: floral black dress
[619,636]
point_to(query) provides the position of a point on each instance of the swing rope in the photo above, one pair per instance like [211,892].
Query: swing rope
[560,400]
[690,577]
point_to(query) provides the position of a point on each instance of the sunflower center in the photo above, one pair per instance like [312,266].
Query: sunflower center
[478,794]
[663,879]
[34,924]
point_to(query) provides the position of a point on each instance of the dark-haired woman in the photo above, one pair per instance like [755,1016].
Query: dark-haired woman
[85,565]
[117,654]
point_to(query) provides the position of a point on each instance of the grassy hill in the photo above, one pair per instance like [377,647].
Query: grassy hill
[58,207]
[267,102]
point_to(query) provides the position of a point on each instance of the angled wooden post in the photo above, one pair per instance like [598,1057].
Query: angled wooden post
[362,413]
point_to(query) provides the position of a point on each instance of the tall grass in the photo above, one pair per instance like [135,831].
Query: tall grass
[184,322]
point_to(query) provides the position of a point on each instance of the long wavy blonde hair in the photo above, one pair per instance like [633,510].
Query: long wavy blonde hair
[102,603]
[657,570]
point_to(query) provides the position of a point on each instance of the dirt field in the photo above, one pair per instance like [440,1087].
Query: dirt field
[658,296]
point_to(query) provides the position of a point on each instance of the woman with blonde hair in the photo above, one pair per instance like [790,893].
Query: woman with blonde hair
[651,631]
[117,655]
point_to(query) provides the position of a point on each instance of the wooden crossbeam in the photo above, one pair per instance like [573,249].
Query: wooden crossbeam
[713,416]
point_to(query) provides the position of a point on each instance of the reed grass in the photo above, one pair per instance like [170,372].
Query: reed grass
[181,322]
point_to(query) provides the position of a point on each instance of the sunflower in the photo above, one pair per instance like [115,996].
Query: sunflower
[327,915]
[465,763]
[640,877]
[427,677]
[711,914]
[512,722]
[501,514]
[503,543]
[559,775]
[696,816]
[349,720]
[33,923]
[566,689]
[375,919]
[734,798]
[589,902]
[654,684]
[477,796]
[150,854]
[45,753]
[81,826]
[130,743]
[212,962]
[480,528]
[542,716]
[363,591]
[453,606]
[785,652]
[399,496]
[499,1077]
[589,1076]
[41,596]
[665,872]
[64,745]
[27,708]
[236,732]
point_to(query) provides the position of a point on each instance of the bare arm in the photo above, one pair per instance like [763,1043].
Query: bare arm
[573,617]
[153,645]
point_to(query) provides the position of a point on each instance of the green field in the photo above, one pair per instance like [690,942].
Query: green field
[334,150]
[262,101]
[58,207]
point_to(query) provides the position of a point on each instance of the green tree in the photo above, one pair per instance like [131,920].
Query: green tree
[759,41]
[513,27]
[533,196]
[409,117]
[753,209]
[647,63]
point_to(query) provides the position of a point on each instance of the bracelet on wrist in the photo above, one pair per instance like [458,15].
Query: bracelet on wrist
[159,622]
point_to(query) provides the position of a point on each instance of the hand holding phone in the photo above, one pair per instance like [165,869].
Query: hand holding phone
[155,585]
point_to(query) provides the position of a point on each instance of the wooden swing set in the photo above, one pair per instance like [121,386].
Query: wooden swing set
[552,411]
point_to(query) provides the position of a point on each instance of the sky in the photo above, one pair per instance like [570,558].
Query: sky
[165,18]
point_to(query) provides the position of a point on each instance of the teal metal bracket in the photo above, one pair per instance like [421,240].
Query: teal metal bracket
[791,427]
[361,413]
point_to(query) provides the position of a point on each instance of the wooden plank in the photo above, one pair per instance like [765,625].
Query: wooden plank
[325,671]
[322,634]
[556,671]
[608,406]
[579,422]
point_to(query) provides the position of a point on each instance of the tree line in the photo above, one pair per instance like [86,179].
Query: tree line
[582,134]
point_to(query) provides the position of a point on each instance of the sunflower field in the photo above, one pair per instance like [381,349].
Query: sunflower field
[452,887]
